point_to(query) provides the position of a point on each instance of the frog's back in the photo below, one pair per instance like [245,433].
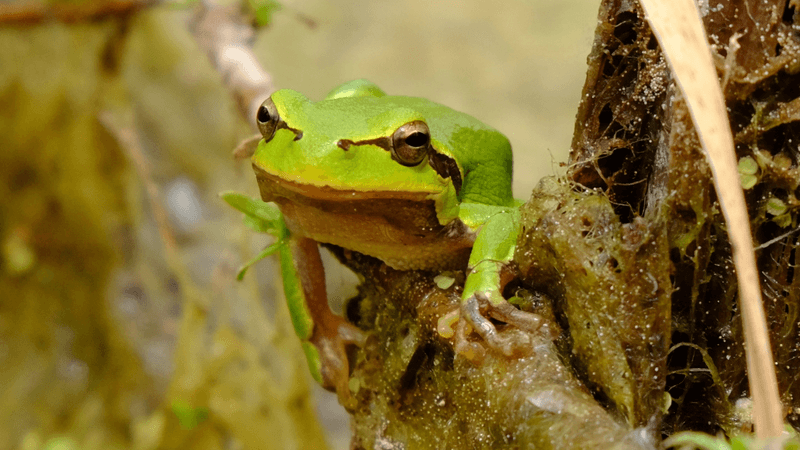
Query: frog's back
[482,153]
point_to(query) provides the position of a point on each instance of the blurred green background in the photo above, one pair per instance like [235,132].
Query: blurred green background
[121,323]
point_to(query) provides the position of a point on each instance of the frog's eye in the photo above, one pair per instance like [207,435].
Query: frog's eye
[411,143]
[267,118]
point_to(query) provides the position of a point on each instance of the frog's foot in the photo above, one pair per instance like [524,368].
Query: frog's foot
[334,368]
[475,312]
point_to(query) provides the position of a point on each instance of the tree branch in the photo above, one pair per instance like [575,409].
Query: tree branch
[227,39]
[34,13]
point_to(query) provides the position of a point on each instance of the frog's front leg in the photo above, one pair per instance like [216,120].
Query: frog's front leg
[489,271]
[324,335]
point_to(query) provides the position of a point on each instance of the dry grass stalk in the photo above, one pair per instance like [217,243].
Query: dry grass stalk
[679,29]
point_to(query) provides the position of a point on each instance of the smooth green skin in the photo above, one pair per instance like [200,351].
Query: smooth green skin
[360,111]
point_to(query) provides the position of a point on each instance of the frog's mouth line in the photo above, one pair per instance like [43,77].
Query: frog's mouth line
[273,186]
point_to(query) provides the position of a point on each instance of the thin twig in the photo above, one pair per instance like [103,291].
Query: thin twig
[679,29]
[777,239]
[32,13]
[226,38]
[129,142]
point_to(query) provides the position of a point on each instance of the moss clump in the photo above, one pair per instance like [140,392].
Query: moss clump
[611,290]
[413,391]
[634,141]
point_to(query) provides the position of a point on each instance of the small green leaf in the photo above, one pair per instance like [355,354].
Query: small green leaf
[783,221]
[259,216]
[444,281]
[667,402]
[188,416]
[740,443]
[258,225]
[517,301]
[776,206]
[250,206]
[748,181]
[263,10]
[782,161]
[748,166]
[18,254]
[264,253]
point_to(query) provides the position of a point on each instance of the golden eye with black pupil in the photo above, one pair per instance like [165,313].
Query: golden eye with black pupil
[267,118]
[411,143]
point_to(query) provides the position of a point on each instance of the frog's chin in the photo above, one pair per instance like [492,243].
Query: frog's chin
[400,228]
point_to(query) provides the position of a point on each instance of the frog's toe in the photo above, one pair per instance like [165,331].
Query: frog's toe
[476,311]
[525,321]
[473,351]
[334,363]
[351,334]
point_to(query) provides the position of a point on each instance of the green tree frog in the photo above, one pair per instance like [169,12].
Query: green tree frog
[405,180]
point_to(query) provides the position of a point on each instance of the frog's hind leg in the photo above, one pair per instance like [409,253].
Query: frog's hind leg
[325,335]
[330,343]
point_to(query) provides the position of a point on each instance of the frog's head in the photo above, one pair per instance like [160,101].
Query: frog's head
[359,142]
